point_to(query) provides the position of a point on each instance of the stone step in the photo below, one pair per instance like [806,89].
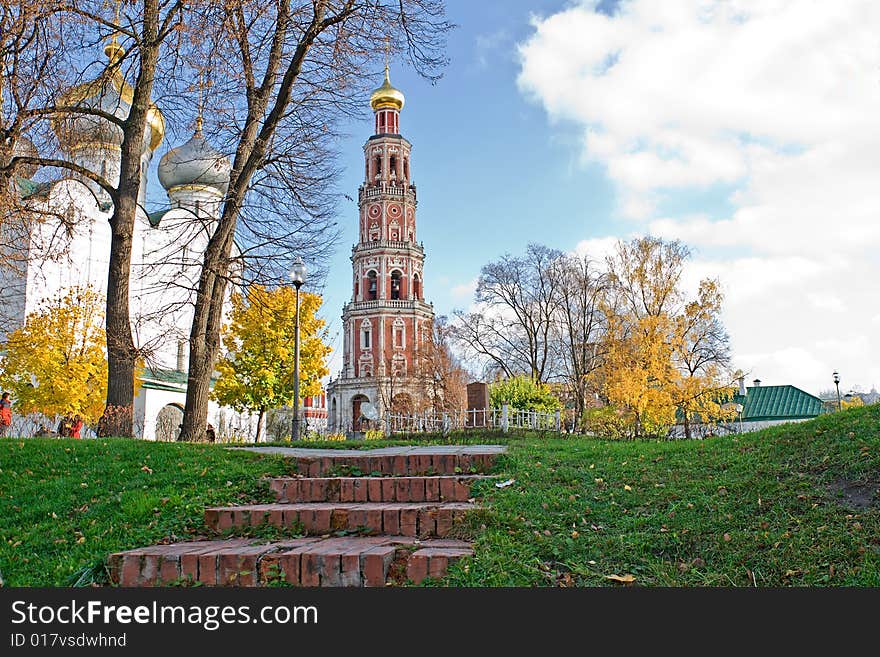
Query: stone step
[445,488]
[459,460]
[424,519]
[348,561]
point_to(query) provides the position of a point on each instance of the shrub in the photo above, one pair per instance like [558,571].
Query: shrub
[524,394]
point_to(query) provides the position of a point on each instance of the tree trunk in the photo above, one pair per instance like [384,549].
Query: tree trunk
[121,350]
[260,423]
[204,340]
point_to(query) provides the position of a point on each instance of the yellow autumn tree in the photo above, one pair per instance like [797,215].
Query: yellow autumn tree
[56,363]
[259,373]
[666,357]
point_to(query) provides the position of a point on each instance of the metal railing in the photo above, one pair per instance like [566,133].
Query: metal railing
[503,418]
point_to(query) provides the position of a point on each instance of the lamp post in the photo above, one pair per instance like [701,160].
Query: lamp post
[298,277]
[837,385]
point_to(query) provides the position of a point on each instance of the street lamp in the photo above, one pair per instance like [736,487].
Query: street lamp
[298,277]
[837,385]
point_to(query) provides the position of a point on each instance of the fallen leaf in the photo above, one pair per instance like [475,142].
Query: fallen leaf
[627,487]
[726,538]
[147,469]
[623,579]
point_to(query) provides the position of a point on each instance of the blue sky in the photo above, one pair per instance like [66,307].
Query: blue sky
[747,130]
[491,173]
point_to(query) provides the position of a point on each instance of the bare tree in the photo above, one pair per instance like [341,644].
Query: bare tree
[580,323]
[520,296]
[301,64]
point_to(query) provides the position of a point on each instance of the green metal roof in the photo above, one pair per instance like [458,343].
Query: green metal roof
[778,403]
[163,379]
[156,217]
[28,188]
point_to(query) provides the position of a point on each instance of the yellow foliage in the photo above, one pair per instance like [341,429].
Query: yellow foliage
[261,333]
[664,357]
[56,364]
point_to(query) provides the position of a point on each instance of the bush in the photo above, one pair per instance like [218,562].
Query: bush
[609,422]
[524,394]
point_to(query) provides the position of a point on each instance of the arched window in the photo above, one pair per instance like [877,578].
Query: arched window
[398,332]
[392,166]
[406,168]
[366,335]
[417,287]
[395,284]
[371,285]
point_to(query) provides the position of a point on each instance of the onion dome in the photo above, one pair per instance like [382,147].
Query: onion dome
[109,93]
[386,96]
[196,163]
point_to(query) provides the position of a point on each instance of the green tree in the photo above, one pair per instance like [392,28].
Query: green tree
[259,373]
[523,393]
[56,364]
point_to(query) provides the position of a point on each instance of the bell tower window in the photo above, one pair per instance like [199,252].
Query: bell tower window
[417,287]
[395,284]
[371,285]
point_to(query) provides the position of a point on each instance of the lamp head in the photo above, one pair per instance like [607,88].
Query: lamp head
[298,272]
[836,377]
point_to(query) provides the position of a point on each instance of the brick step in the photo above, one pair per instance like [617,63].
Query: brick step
[375,489]
[417,462]
[425,519]
[348,561]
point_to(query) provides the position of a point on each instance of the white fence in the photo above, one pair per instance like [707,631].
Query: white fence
[504,418]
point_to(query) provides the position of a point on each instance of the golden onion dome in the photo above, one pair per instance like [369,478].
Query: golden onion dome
[109,92]
[386,96]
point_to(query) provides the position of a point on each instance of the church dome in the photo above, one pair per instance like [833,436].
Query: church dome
[110,93]
[195,163]
[386,96]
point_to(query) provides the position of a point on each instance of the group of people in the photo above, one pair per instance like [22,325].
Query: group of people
[69,427]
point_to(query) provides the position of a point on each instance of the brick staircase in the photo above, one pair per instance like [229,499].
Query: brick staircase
[388,526]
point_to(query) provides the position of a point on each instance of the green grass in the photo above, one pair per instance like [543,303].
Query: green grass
[790,506]
[66,504]
[794,505]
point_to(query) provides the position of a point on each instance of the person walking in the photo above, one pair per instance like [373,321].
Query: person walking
[5,414]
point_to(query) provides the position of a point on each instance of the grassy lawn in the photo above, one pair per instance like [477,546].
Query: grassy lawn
[66,504]
[794,505]
[790,506]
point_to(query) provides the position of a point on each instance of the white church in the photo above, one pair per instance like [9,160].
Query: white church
[70,245]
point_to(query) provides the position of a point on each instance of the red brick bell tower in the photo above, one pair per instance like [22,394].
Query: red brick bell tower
[387,320]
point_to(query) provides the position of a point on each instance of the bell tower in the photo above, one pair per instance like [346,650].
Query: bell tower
[387,321]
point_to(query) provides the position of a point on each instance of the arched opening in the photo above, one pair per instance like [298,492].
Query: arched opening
[366,335]
[168,422]
[417,287]
[396,277]
[356,402]
[334,414]
[406,168]
[372,279]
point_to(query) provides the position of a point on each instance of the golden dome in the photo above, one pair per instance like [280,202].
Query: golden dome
[95,89]
[386,96]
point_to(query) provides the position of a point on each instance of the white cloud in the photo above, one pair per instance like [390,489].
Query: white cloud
[463,292]
[777,101]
